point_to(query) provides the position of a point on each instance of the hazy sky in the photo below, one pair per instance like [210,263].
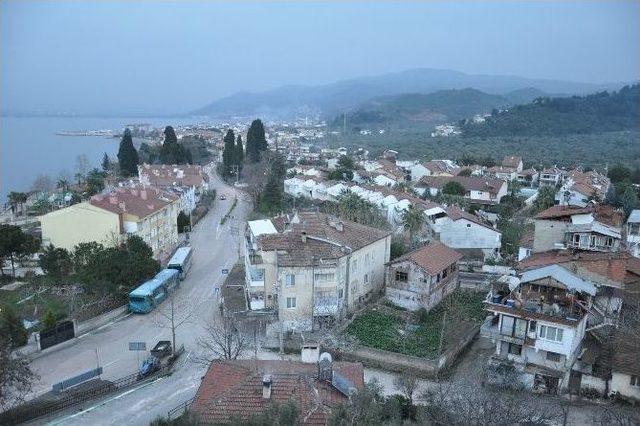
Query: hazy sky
[162,57]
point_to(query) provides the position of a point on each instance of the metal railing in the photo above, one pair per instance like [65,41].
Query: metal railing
[179,410]
[36,409]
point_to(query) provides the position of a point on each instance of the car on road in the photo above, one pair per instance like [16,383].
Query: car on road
[223,197]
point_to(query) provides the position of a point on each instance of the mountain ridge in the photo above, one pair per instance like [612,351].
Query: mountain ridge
[328,99]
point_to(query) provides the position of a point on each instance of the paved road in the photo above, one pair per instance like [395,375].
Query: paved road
[215,248]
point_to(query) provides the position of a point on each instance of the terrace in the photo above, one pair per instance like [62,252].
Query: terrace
[544,299]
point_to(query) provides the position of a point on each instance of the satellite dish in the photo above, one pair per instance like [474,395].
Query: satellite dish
[326,356]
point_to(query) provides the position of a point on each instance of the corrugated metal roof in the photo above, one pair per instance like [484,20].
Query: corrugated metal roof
[634,217]
[558,273]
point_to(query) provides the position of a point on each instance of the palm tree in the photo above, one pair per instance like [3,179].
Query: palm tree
[17,199]
[412,221]
[63,184]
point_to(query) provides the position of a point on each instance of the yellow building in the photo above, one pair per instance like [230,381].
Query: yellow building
[147,212]
[80,223]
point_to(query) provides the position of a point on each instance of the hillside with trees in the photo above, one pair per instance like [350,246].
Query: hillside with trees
[422,109]
[545,116]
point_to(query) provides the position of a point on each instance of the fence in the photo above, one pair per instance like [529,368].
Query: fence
[36,409]
[59,333]
[180,410]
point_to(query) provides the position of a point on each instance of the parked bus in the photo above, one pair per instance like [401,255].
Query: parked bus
[145,298]
[181,261]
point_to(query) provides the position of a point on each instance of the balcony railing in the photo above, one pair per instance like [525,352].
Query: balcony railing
[326,305]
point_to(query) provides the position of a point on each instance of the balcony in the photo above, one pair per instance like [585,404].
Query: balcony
[326,305]
[490,330]
[547,303]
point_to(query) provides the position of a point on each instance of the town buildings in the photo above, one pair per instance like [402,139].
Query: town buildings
[596,228]
[480,190]
[464,232]
[312,268]
[554,320]
[109,218]
[236,390]
[187,181]
[632,233]
[421,278]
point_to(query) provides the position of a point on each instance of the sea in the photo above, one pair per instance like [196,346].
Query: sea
[29,146]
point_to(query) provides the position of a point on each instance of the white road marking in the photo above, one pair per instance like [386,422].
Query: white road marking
[103,326]
[61,421]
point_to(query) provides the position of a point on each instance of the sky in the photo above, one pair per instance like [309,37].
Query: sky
[163,57]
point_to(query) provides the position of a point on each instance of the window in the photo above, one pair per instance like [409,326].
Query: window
[290,280]
[635,381]
[532,326]
[402,276]
[576,238]
[512,326]
[609,242]
[340,293]
[444,274]
[554,357]
[291,302]
[366,278]
[325,278]
[551,333]
[515,349]
[468,225]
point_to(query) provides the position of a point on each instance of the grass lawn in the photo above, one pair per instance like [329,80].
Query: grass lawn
[418,333]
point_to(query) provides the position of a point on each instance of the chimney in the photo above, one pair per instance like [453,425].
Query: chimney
[113,199]
[325,367]
[304,236]
[134,192]
[266,386]
[143,194]
[122,206]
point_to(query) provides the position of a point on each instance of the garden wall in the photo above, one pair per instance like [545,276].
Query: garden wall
[401,363]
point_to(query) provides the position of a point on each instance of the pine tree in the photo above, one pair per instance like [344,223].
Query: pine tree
[229,153]
[106,162]
[239,158]
[127,155]
[256,141]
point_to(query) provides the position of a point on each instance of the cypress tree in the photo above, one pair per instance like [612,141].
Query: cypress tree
[127,155]
[256,141]
[106,162]
[239,151]
[229,153]
[171,151]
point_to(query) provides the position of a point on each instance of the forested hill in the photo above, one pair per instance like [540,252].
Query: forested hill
[423,109]
[600,112]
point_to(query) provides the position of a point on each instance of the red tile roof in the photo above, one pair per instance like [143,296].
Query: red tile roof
[605,214]
[233,389]
[139,201]
[470,183]
[511,161]
[456,213]
[433,257]
[172,175]
[616,269]
[326,238]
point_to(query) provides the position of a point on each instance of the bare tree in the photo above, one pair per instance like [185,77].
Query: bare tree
[82,164]
[174,315]
[16,378]
[468,402]
[42,183]
[406,384]
[223,340]
[617,416]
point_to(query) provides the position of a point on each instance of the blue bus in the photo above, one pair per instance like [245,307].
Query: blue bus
[181,261]
[145,298]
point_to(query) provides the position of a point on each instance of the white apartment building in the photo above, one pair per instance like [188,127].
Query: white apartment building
[312,268]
